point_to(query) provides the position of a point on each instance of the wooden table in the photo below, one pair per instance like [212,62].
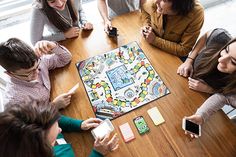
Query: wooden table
[218,134]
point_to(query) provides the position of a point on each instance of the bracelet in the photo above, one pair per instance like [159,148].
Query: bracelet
[190,58]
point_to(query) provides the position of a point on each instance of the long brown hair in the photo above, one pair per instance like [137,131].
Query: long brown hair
[210,62]
[24,128]
[54,16]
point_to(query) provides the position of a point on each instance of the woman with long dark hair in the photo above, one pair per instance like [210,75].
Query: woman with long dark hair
[211,68]
[63,18]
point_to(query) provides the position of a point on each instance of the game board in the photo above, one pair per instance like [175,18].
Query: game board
[120,80]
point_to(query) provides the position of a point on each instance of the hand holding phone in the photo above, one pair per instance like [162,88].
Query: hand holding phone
[191,127]
[112,32]
[141,125]
[103,129]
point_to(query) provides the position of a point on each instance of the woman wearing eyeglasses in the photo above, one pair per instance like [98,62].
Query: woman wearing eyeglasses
[211,68]
[63,18]
[28,71]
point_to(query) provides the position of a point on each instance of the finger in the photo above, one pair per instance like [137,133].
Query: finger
[105,139]
[191,135]
[185,72]
[46,47]
[92,125]
[94,120]
[113,143]
[178,70]
[116,147]
[192,80]
[191,73]
[67,95]
[97,141]
[113,140]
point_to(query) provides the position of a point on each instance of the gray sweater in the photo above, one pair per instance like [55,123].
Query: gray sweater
[214,103]
[118,7]
[39,21]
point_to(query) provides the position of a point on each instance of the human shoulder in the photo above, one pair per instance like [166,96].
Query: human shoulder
[149,6]
[37,10]
[197,10]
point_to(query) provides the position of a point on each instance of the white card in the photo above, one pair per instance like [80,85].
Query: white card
[73,89]
[61,141]
[156,116]
[126,132]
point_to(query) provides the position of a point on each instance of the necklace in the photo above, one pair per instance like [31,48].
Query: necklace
[70,21]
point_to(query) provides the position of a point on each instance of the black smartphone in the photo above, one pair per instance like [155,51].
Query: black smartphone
[191,127]
[141,125]
[113,32]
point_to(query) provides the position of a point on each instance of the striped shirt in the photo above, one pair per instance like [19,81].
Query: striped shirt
[20,91]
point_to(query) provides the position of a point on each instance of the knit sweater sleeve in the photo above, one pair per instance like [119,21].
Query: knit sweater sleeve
[214,103]
[68,124]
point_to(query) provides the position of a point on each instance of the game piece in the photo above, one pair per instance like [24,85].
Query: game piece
[120,80]
[73,89]
[156,116]
[126,132]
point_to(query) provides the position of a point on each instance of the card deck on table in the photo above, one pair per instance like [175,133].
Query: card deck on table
[156,116]
[126,132]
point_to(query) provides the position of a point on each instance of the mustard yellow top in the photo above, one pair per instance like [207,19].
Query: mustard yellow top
[181,32]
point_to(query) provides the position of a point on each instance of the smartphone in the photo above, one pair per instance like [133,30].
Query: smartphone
[113,32]
[191,127]
[102,129]
[141,125]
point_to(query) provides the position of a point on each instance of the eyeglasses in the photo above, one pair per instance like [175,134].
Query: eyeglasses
[30,72]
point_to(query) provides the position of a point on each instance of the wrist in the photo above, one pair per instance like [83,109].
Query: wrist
[189,60]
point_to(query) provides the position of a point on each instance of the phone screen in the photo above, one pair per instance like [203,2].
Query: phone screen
[141,125]
[113,32]
[192,127]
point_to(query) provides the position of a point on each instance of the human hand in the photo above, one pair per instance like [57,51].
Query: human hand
[107,26]
[62,100]
[148,34]
[199,85]
[44,47]
[105,145]
[88,26]
[90,123]
[144,29]
[185,69]
[72,32]
[196,119]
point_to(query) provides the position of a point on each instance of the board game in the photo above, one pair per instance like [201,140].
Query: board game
[120,81]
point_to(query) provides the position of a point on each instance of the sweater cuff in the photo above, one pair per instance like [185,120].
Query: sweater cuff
[95,153]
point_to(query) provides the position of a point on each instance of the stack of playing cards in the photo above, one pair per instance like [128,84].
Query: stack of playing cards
[126,132]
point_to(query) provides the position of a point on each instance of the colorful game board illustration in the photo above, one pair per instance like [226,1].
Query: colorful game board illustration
[120,80]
